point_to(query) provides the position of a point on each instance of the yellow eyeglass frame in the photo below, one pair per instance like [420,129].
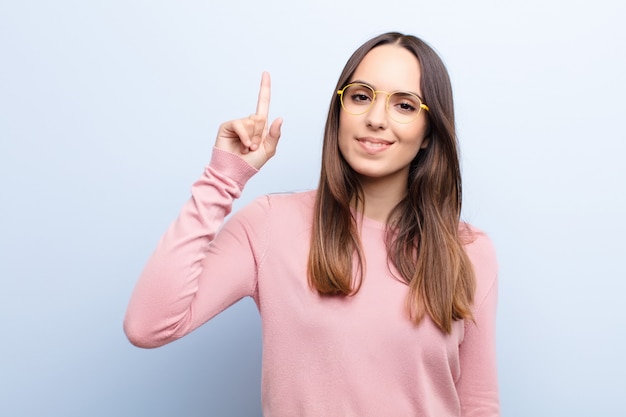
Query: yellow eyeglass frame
[374,93]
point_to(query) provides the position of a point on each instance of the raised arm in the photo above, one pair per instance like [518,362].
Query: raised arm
[196,272]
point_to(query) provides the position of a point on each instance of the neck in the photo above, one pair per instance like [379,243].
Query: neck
[381,196]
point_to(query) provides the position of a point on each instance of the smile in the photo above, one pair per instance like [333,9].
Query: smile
[373,145]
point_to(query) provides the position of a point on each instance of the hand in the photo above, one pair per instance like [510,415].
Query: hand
[250,138]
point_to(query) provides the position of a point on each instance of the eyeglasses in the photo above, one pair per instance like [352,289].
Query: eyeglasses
[401,106]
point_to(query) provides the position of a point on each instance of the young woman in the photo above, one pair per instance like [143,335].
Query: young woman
[375,299]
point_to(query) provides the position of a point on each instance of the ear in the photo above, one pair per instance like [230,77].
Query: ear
[425,142]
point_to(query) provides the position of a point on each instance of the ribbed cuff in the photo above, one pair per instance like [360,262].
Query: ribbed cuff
[232,166]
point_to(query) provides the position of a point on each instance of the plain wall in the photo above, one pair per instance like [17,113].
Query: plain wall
[108,111]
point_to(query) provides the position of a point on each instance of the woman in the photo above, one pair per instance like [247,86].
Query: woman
[375,299]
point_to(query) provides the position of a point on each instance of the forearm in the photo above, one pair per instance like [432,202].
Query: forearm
[162,304]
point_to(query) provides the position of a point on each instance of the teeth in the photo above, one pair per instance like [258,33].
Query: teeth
[375,144]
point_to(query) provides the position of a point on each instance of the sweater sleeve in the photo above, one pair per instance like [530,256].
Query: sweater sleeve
[196,272]
[478,384]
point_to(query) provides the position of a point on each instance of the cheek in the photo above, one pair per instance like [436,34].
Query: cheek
[411,138]
[416,135]
[344,133]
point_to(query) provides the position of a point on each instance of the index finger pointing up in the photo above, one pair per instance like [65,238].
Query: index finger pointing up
[263,104]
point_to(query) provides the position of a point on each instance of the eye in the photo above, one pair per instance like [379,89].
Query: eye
[407,107]
[359,94]
[360,98]
[405,103]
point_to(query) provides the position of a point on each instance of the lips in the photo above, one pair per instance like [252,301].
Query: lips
[374,145]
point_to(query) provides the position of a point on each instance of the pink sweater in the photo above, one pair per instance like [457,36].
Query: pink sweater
[322,357]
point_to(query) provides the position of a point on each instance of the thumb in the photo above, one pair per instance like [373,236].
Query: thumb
[273,135]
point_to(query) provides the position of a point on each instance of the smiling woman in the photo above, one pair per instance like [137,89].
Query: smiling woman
[375,298]
[381,141]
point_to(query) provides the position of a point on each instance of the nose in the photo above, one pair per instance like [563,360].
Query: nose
[377,114]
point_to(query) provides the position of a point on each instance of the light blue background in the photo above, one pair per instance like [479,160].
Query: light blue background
[108,110]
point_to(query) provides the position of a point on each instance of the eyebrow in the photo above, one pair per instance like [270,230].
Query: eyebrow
[394,91]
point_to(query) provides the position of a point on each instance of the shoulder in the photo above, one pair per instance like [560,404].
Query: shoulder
[292,200]
[479,248]
[482,253]
[284,207]
[271,219]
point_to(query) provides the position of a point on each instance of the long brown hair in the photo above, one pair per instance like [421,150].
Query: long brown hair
[424,239]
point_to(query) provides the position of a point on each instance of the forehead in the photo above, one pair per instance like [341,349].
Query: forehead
[390,68]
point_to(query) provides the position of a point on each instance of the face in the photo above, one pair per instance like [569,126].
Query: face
[376,146]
